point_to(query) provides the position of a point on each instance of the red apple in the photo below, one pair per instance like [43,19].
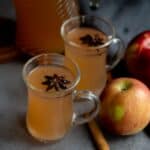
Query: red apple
[137,57]
[125,106]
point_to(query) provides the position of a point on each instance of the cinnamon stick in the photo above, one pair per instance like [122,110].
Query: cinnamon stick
[97,134]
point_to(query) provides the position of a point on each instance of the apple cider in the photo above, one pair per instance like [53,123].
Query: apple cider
[49,117]
[92,65]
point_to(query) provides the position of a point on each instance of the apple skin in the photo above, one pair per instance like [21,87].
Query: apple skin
[125,106]
[137,57]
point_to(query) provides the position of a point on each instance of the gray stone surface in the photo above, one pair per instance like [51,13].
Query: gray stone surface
[13,134]
[130,14]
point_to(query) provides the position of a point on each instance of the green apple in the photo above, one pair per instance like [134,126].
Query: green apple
[125,106]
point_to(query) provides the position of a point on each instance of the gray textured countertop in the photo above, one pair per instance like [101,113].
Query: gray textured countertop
[13,134]
[131,15]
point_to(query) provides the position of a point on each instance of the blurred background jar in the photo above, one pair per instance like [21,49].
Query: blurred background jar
[38,23]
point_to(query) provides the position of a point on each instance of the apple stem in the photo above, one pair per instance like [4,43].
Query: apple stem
[126,86]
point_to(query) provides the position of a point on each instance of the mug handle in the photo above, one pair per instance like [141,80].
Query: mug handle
[119,53]
[85,97]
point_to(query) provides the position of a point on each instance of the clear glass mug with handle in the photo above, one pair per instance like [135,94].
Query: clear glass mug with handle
[88,41]
[38,24]
[54,104]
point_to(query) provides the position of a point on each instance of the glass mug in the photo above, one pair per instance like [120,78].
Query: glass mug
[87,41]
[51,80]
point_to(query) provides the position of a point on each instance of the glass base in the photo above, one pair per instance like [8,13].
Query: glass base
[42,139]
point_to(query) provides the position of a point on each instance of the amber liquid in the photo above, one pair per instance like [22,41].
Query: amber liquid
[38,26]
[93,66]
[48,118]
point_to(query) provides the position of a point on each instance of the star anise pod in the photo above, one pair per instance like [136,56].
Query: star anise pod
[56,82]
[92,41]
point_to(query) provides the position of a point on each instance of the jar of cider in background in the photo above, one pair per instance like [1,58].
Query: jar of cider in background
[38,24]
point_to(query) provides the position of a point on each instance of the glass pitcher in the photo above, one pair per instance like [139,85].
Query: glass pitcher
[38,24]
